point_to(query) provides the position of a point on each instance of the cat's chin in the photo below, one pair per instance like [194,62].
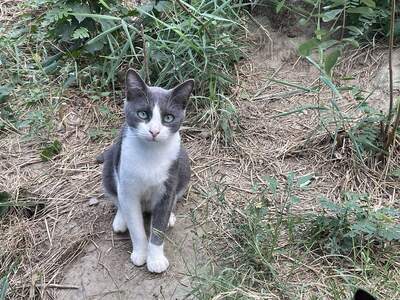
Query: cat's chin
[155,141]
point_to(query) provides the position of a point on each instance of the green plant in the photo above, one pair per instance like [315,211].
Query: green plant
[50,150]
[360,19]
[251,240]
[351,224]
[4,200]
[3,287]
[169,41]
[370,132]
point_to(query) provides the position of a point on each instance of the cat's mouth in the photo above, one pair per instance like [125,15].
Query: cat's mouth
[152,140]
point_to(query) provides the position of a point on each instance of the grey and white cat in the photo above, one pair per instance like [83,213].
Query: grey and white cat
[147,169]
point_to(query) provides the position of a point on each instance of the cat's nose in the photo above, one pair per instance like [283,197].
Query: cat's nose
[154,132]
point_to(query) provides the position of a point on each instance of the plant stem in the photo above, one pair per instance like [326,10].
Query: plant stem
[194,17]
[389,135]
[145,62]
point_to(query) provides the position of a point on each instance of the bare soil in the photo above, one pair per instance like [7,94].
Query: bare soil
[69,249]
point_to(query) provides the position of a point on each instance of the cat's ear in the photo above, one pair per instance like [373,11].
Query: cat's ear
[363,295]
[181,93]
[135,86]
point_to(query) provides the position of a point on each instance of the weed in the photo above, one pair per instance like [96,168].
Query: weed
[351,224]
[3,287]
[371,132]
[168,41]
[4,198]
[51,150]
[256,242]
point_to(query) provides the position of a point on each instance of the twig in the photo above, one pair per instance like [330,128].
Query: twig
[52,286]
[389,135]
[145,63]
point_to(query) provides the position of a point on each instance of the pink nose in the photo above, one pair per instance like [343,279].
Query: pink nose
[154,132]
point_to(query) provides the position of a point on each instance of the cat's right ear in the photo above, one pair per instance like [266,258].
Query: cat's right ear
[135,86]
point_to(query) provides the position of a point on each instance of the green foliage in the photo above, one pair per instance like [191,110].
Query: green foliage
[352,224]
[346,23]
[168,41]
[360,19]
[3,287]
[251,239]
[4,199]
[51,150]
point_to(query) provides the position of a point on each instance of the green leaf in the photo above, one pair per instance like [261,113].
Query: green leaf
[305,180]
[306,48]
[362,10]
[80,33]
[51,150]
[279,6]
[95,46]
[294,199]
[102,2]
[330,61]
[395,173]
[327,44]
[331,14]
[81,8]
[329,205]
[3,287]
[4,93]
[4,198]
[352,42]
[163,6]
[369,3]
[272,184]
[355,30]
[391,233]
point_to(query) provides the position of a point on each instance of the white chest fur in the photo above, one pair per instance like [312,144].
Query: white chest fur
[144,166]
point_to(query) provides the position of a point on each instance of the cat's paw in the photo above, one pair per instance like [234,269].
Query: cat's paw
[172,220]
[119,224]
[157,264]
[138,258]
[156,260]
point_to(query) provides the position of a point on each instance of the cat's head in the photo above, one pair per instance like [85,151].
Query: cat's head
[155,114]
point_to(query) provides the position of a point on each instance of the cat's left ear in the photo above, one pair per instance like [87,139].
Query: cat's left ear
[181,93]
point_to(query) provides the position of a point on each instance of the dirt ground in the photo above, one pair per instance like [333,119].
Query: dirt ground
[72,242]
[104,271]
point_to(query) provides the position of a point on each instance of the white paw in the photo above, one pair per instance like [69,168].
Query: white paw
[157,264]
[138,258]
[172,220]
[119,224]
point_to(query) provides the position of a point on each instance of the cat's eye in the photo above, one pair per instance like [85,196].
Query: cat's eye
[143,115]
[168,118]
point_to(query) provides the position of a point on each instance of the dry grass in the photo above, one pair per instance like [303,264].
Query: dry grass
[42,240]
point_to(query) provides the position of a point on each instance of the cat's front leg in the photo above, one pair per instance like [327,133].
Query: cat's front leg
[130,207]
[156,260]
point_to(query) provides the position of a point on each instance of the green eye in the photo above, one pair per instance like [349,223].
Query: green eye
[168,118]
[143,115]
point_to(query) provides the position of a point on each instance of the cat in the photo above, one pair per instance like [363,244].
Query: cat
[147,169]
[363,295]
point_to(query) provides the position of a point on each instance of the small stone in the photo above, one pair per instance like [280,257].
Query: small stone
[93,201]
